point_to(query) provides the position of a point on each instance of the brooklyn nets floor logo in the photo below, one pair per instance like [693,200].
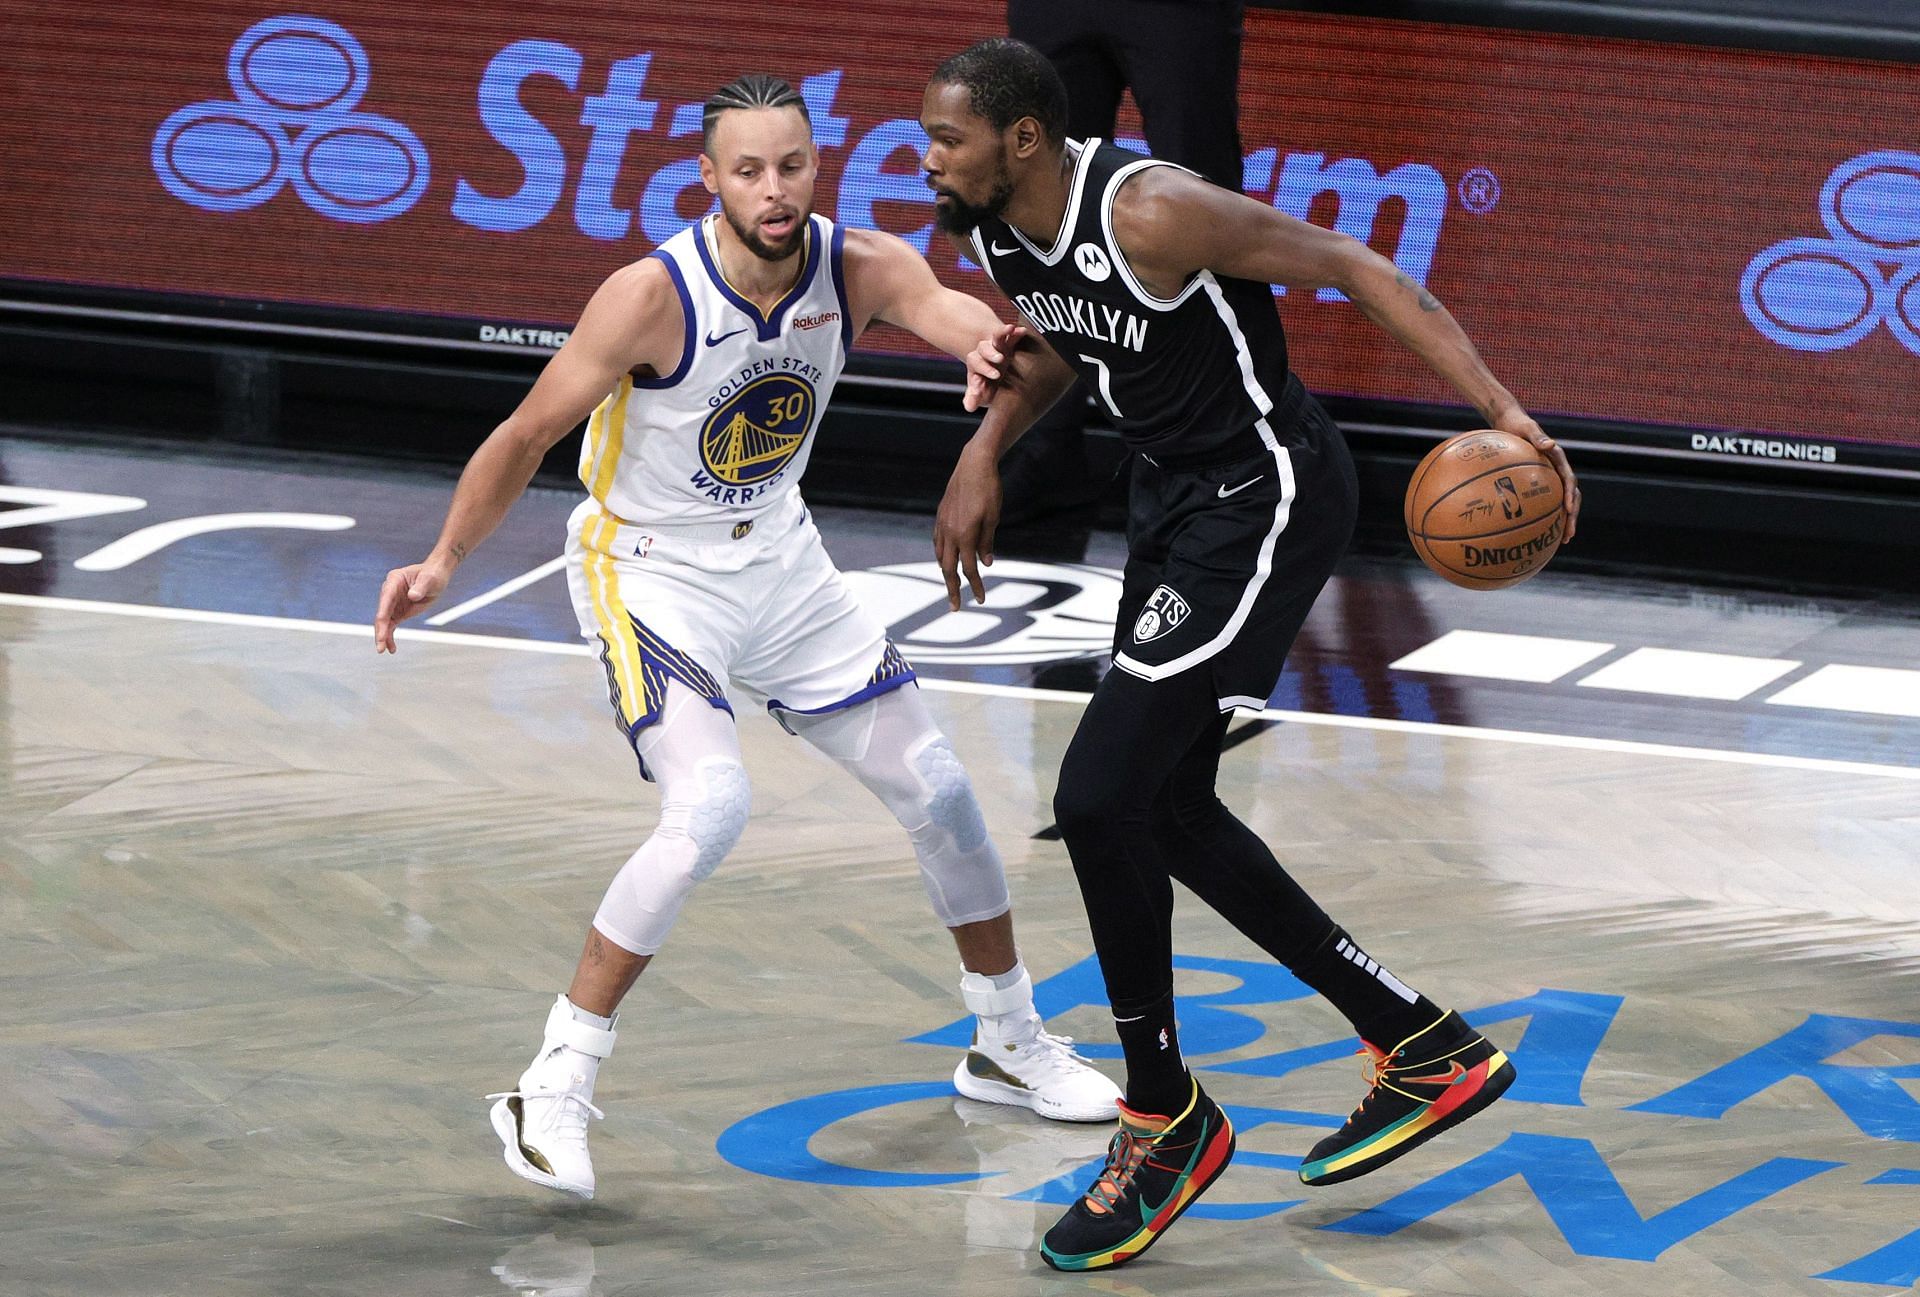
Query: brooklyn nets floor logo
[1035,612]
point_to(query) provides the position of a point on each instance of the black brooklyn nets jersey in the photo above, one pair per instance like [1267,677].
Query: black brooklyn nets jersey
[1184,378]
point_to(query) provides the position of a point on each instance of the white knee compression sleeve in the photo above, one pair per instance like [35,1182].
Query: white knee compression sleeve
[892,746]
[698,827]
[704,801]
[717,818]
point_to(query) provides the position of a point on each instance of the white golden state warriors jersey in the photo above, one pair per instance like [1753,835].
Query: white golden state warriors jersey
[726,435]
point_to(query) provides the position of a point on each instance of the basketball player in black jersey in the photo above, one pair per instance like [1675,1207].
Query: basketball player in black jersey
[1153,285]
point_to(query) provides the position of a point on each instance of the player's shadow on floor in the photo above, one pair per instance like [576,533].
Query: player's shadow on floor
[1055,538]
[1421,1233]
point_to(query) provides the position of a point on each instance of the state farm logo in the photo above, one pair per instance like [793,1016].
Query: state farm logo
[296,81]
[1814,294]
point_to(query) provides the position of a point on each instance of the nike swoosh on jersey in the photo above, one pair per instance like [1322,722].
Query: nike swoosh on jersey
[714,342]
[999,251]
[1224,492]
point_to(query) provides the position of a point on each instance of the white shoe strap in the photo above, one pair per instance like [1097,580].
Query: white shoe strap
[564,1029]
[981,997]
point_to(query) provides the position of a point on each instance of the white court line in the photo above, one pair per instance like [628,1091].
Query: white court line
[1629,746]
[1494,655]
[501,591]
[1680,673]
[288,623]
[1886,691]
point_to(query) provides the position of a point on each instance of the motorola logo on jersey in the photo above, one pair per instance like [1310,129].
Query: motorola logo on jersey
[1035,612]
[1093,262]
[296,81]
[1165,610]
[753,435]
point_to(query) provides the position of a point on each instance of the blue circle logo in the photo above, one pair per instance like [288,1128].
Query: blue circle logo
[1815,294]
[756,434]
[296,82]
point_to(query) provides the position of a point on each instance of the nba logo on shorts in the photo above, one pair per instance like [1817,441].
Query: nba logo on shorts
[1163,612]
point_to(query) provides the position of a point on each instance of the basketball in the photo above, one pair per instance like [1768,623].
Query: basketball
[1484,510]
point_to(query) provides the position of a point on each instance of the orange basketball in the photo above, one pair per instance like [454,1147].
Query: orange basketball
[1484,510]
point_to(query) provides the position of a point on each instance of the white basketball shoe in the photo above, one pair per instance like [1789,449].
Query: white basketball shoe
[1015,1060]
[542,1125]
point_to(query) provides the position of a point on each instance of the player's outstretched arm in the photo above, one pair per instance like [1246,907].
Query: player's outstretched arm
[633,319]
[1171,224]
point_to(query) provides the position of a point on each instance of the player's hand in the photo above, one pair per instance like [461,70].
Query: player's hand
[963,529]
[985,365]
[1522,425]
[406,591]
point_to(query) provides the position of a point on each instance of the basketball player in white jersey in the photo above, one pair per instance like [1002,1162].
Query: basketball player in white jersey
[694,566]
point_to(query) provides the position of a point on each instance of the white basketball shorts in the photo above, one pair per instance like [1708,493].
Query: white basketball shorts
[758,609]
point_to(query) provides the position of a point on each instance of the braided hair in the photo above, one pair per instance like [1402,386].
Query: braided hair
[754,90]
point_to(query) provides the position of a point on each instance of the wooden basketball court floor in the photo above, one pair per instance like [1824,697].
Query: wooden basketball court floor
[275,914]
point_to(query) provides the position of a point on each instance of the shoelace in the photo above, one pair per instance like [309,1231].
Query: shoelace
[570,1118]
[1057,1051]
[1378,1063]
[1124,1158]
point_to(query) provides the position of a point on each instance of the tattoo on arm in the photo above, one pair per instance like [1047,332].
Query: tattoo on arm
[460,551]
[1428,302]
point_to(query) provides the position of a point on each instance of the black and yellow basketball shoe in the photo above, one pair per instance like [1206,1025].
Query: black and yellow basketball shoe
[1431,1081]
[1156,1168]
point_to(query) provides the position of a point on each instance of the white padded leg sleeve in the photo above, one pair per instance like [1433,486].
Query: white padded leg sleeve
[694,755]
[892,746]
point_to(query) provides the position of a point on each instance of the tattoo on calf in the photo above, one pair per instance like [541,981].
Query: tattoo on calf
[1428,302]
[596,949]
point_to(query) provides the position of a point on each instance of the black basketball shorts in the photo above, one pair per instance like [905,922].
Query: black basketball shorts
[1224,562]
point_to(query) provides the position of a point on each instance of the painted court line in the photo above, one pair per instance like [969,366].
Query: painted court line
[498,592]
[1884,691]
[1435,729]
[1680,673]
[1492,655]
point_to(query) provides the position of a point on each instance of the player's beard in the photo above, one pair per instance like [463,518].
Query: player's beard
[759,247]
[960,217]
